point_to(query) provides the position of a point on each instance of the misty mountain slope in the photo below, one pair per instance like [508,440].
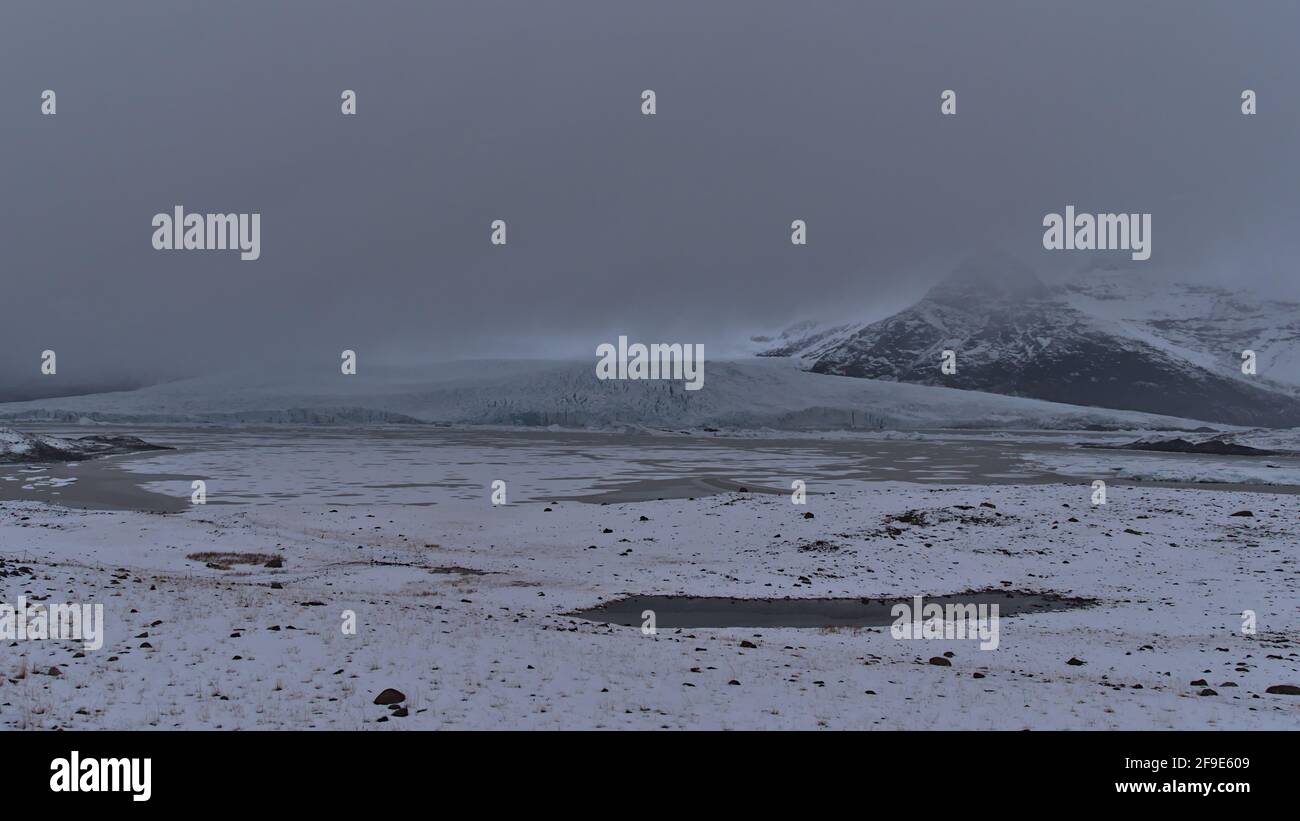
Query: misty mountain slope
[757,393]
[1014,335]
[1206,325]
[800,337]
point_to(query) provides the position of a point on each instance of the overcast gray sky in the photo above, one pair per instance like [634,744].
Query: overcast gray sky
[668,228]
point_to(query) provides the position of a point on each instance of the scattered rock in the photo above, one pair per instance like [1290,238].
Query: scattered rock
[390,696]
[940,661]
[1217,445]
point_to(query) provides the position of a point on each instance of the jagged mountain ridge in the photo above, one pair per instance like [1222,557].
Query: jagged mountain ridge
[1014,335]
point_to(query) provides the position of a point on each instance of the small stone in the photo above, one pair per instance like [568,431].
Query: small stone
[940,661]
[390,696]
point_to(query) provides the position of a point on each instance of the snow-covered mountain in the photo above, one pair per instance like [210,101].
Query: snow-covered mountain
[1108,339]
[1205,325]
[16,446]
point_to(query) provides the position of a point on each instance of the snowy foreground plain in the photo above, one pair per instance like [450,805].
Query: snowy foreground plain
[463,606]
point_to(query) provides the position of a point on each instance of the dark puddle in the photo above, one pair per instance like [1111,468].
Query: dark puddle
[459,571]
[98,484]
[706,611]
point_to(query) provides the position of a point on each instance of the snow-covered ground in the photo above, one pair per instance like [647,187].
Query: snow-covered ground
[1283,468]
[462,606]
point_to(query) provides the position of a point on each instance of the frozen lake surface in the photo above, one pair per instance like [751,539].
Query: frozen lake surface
[429,465]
